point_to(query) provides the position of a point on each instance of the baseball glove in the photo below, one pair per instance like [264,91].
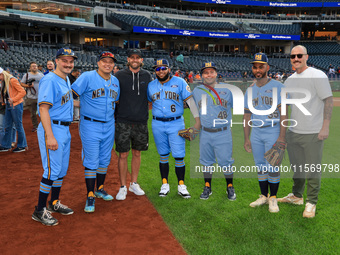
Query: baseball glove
[189,133]
[274,156]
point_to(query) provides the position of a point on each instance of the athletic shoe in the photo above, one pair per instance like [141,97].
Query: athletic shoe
[206,193]
[122,193]
[182,191]
[231,193]
[273,207]
[2,149]
[309,211]
[260,201]
[165,189]
[44,217]
[89,206]
[103,194]
[19,149]
[59,208]
[135,188]
[291,199]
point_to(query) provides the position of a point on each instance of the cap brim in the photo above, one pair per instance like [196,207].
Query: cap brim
[75,57]
[159,65]
[208,67]
[261,62]
[140,55]
[115,60]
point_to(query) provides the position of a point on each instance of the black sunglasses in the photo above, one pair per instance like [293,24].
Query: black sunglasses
[296,55]
[161,68]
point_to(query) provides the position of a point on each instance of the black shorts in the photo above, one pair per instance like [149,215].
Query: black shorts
[136,135]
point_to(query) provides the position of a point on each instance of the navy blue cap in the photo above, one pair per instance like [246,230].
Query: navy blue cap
[161,62]
[106,54]
[66,52]
[208,65]
[260,58]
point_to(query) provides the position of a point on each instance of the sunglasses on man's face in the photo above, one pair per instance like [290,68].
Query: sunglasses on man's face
[296,55]
[161,68]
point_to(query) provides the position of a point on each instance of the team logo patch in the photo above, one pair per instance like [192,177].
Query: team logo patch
[174,86]
[268,91]
[188,88]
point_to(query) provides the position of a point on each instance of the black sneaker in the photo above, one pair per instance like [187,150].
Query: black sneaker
[19,149]
[44,217]
[59,208]
[231,193]
[206,193]
[2,149]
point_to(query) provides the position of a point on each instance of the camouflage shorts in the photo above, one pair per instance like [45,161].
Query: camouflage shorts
[136,135]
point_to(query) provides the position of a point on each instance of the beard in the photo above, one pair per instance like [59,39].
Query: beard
[164,78]
[261,77]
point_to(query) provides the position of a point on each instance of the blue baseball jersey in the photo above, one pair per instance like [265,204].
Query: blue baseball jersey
[97,97]
[262,99]
[56,92]
[214,109]
[167,99]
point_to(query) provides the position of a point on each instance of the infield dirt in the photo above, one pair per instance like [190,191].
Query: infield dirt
[132,226]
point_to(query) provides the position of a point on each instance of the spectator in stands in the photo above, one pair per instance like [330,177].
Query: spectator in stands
[191,77]
[331,72]
[30,81]
[132,113]
[41,68]
[278,77]
[4,45]
[186,76]
[116,69]
[171,55]
[338,70]
[245,77]
[284,77]
[49,66]
[13,95]
[178,73]
[73,76]
[198,77]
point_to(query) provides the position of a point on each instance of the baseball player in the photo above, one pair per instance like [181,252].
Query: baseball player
[98,91]
[55,106]
[215,137]
[265,131]
[167,94]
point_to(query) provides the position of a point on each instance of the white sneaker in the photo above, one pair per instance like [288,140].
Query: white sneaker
[182,191]
[291,199]
[309,211]
[135,188]
[273,207]
[165,189]
[260,201]
[122,193]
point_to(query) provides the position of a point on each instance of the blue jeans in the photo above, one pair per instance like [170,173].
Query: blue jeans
[2,126]
[14,115]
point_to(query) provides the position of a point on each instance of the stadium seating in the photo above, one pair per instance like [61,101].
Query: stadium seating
[292,29]
[203,25]
[128,21]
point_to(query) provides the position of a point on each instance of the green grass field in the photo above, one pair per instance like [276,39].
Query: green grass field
[336,94]
[219,226]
